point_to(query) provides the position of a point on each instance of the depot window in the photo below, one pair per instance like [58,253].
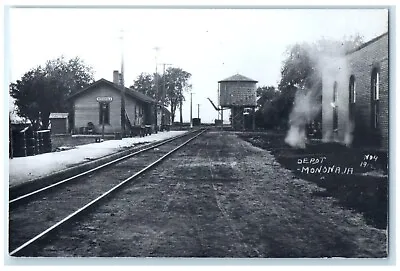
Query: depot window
[352,89]
[335,109]
[104,113]
[352,98]
[375,98]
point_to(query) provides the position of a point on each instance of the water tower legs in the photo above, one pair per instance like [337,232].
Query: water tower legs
[238,118]
[222,118]
[254,119]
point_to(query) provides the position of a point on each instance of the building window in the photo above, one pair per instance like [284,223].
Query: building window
[352,89]
[352,98]
[335,108]
[375,98]
[104,113]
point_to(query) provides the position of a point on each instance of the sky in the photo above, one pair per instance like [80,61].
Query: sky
[211,44]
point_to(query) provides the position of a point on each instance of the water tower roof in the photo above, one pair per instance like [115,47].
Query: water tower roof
[238,78]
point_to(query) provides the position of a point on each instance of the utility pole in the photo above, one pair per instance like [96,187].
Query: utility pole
[198,111]
[163,95]
[191,119]
[220,106]
[156,86]
[123,113]
[156,49]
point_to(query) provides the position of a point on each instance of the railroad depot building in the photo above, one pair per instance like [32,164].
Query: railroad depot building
[89,112]
[355,93]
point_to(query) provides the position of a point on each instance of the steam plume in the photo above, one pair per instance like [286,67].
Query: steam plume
[330,66]
[305,109]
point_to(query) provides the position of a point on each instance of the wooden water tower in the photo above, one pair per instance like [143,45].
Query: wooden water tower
[238,93]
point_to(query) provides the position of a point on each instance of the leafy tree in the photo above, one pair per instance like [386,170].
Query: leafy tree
[266,94]
[176,84]
[270,114]
[27,93]
[265,115]
[300,72]
[43,90]
[299,68]
[147,84]
[167,89]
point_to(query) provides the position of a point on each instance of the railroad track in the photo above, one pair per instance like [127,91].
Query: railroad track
[36,216]
[25,191]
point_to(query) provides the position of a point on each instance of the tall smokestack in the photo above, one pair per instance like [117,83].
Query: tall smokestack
[116,77]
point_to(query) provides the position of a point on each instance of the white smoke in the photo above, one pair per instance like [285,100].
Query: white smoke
[333,66]
[335,69]
[305,109]
[348,136]
[296,136]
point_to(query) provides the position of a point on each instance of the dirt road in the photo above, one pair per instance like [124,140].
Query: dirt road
[220,197]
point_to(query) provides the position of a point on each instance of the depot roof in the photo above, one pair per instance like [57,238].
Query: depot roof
[128,91]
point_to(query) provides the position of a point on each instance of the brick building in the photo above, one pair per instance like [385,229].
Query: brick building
[355,90]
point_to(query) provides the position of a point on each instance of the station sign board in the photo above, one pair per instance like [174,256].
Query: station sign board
[106,99]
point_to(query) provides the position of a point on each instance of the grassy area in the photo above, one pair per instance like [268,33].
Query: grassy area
[357,178]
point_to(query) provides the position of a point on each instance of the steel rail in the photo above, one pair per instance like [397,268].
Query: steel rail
[13,201]
[96,200]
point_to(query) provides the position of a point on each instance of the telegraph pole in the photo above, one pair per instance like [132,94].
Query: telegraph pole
[220,106]
[163,94]
[198,111]
[156,86]
[156,49]
[122,83]
[191,119]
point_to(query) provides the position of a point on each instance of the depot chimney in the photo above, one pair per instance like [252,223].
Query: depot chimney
[116,77]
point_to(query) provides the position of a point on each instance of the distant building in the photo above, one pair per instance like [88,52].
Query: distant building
[58,123]
[88,112]
[355,93]
[163,112]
